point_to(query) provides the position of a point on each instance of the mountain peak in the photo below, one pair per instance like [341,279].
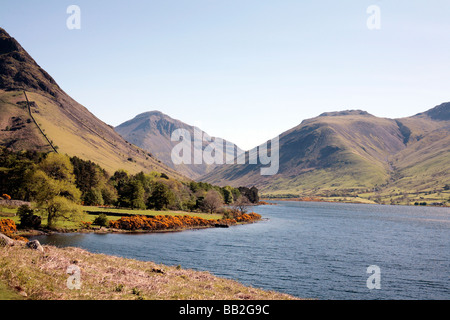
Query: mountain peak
[18,71]
[345,113]
[155,113]
[7,43]
[440,112]
[58,118]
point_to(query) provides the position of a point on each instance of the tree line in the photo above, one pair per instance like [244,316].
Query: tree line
[58,183]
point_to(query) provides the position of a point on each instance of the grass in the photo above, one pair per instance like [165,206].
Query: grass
[75,131]
[103,277]
[10,213]
[388,196]
[151,212]
[7,293]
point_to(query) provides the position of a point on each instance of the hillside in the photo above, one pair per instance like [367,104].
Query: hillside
[52,118]
[152,131]
[353,151]
[40,276]
[425,163]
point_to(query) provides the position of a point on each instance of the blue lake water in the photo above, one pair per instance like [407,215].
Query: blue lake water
[307,249]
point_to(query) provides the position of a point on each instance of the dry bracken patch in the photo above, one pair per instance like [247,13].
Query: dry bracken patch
[43,276]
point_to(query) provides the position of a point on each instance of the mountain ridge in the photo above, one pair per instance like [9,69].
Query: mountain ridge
[69,125]
[353,150]
[335,151]
[152,131]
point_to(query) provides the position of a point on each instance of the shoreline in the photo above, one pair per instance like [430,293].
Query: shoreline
[299,199]
[42,275]
[28,233]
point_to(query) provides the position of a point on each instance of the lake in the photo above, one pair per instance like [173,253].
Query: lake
[307,249]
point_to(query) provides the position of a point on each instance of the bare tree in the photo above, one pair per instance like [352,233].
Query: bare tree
[241,204]
[212,201]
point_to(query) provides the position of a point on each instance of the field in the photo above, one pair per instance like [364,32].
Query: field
[10,213]
[151,212]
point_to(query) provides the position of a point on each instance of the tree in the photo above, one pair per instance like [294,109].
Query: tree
[109,194]
[241,204]
[212,201]
[93,197]
[15,171]
[136,193]
[59,208]
[161,196]
[53,187]
[118,181]
[250,193]
[27,217]
[58,167]
[227,195]
[93,181]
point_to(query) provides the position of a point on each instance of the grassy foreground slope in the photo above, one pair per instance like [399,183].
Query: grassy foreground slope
[42,276]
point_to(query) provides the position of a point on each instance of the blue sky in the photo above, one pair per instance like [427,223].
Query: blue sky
[243,70]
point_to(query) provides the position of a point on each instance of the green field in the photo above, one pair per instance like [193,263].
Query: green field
[392,197]
[10,213]
[149,212]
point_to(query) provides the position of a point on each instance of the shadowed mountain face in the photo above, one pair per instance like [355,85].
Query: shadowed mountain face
[66,124]
[152,131]
[439,113]
[353,150]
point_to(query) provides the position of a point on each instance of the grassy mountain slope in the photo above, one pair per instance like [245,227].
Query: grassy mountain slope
[353,151]
[16,128]
[66,123]
[152,132]
[425,163]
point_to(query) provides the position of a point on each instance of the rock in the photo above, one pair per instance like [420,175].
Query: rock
[156,270]
[34,244]
[221,225]
[21,291]
[5,241]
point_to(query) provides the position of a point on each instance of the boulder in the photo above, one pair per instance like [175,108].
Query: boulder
[34,244]
[6,241]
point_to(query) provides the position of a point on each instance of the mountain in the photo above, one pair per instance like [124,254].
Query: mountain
[53,120]
[353,151]
[152,131]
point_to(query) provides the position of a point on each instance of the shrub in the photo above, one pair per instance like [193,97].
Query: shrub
[86,224]
[167,222]
[27,218]
[101,220]
[6,196]
[8,227]
[119,288]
